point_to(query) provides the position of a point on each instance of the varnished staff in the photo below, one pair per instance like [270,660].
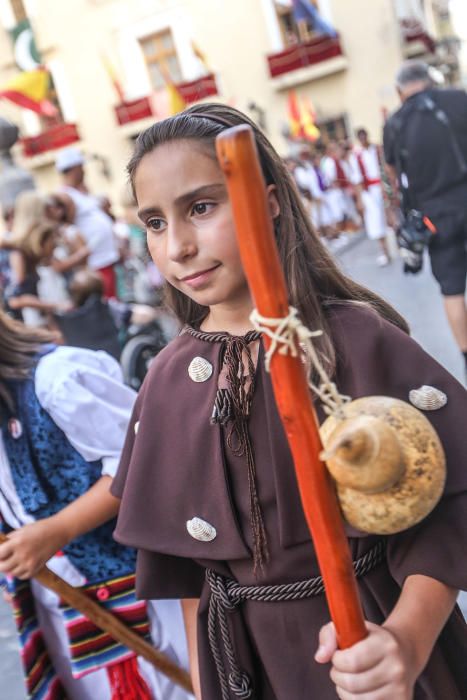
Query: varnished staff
[109,623]
[236,150]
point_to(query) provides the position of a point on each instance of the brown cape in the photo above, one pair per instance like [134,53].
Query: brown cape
[178,466]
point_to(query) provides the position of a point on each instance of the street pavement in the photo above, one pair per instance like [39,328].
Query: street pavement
[416,297]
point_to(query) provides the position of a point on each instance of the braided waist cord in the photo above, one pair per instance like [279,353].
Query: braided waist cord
[227,595]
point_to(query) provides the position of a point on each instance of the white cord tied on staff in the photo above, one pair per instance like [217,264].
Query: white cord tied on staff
[288,335]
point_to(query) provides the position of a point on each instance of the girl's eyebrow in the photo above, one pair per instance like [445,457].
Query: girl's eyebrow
[203,191]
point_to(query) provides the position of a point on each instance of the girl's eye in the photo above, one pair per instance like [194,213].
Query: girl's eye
[155,224]
[201,208]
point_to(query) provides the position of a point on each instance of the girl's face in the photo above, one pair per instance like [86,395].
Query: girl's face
[183,203]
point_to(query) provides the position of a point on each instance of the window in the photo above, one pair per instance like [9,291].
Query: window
[292,32]
[333,129]
[161,58]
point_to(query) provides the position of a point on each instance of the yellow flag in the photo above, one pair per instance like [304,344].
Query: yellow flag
[29,90]
[176,101]
[32,83]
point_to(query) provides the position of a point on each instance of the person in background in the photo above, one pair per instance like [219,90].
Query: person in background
[353,205]
[63,416]
[71,251]
[35,289]
[366,174]
[425,147]
[95,225]
[23,298]
[336,181]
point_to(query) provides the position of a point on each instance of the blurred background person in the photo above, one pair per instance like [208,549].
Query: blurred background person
[366,174]
[425,146]
[92,221]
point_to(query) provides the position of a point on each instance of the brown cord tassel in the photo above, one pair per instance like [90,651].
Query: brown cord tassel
[241,388]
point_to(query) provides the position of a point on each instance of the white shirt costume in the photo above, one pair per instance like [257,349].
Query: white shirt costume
[96,227]
[372,197]
[84,394]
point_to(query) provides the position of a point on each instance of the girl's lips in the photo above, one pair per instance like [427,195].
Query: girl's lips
[199,278]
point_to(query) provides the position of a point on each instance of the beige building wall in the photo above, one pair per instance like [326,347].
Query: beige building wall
[235,37]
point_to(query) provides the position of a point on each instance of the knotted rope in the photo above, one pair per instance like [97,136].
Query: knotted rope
[288,335]
[227,595]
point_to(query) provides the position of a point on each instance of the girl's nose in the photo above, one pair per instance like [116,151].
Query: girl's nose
[181,243]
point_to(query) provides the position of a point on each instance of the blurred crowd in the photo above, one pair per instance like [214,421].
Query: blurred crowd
[69,264]
[345,188]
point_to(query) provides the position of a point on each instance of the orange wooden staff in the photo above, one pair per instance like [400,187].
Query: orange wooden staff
[238,157]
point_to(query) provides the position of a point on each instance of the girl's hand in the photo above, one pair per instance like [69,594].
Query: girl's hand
[29,548]
[377,668]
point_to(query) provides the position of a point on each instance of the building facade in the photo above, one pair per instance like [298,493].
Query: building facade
[111,60]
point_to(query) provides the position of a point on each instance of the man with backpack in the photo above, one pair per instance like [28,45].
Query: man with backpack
[425,145]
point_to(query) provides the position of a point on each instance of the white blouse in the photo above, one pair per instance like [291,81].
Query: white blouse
[83,392]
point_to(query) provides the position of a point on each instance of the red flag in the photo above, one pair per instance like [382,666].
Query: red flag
[295,120]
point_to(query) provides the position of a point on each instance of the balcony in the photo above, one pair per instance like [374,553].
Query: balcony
[198,89]
[52,138]
[416,39]
[304,54]
[137,110]
[127,112]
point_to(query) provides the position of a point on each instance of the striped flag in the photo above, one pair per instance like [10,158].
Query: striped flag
[114,79]
[29,90]
[295,119]
[302,119]
[201,56]
[312,133]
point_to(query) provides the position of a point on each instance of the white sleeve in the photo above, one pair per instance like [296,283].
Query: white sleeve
[84,394]
[308,180]
[329,170]
[301,178]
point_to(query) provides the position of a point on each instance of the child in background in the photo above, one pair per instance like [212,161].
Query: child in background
[63,416]
[207,483]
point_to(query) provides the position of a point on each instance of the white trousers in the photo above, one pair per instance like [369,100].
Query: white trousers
[373,212]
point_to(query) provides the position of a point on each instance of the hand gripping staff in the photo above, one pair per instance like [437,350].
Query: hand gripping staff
[108,622]
[237,154]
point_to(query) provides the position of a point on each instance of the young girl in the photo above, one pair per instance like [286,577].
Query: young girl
[207,483]
[63,417]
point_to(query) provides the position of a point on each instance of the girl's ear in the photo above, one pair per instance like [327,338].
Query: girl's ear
[274,207]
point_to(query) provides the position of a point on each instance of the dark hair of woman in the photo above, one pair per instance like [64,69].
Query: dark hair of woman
[313,278]
[19,346]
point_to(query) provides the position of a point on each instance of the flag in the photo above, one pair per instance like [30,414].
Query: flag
[302,119]
[114,79]
[295,126]
[176,103]
[311,131]
[29,89]
[201,56]
[27,56]
[304,10]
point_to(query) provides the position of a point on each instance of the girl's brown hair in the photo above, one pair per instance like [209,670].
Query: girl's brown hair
[313,278]
[19,346]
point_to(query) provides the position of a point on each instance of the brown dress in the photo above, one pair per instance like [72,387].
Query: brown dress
[179,466]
